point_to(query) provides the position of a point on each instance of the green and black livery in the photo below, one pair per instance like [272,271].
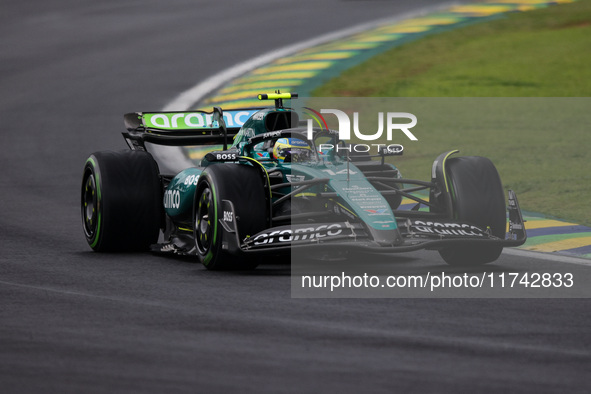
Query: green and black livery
[240,203]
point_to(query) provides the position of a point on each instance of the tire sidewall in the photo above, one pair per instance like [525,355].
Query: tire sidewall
[241,184]
[477,198]
[129,202]
[91,168]
[477,193]
[208,256]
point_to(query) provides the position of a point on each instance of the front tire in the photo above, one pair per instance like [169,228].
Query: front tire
[243,185]
[121,201]
[477,198]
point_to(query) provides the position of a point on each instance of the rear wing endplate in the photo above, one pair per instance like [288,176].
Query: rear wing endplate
[184,128]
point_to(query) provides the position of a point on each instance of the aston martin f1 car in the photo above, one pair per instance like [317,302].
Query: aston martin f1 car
[273,189]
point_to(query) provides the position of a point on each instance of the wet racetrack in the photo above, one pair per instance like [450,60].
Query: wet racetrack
[76,321]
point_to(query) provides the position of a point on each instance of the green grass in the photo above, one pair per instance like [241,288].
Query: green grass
[541,53]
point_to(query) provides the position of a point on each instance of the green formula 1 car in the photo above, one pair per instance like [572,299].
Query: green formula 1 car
[275,189]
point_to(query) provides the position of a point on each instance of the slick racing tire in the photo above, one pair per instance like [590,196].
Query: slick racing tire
[121,201]
[242,185]
[477,198]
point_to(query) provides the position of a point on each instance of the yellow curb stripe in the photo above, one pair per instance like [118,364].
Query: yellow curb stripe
[408,29]
[333,55]
[275,76]
[272,84]
[354,45]
[293,67]
[428,21]
[480,10]
[557,246]
[530,225]
[243,94]
[377,38]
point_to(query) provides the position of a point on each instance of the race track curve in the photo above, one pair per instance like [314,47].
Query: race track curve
[76,321]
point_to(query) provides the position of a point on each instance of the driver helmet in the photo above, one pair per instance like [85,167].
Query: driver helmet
[291,150]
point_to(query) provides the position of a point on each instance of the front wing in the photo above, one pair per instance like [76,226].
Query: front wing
[415,234]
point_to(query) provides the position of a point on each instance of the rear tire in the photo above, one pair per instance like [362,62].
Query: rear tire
[243,186]
[478,198]
[121,201]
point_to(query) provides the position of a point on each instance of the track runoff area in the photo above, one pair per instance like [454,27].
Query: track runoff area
[302,68]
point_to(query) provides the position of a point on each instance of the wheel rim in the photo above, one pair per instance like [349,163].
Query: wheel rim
[89,205]
[203,222]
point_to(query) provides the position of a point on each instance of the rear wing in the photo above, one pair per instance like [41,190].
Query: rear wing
[184,128]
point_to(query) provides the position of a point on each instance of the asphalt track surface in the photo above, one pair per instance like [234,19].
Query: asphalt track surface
[76,321]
